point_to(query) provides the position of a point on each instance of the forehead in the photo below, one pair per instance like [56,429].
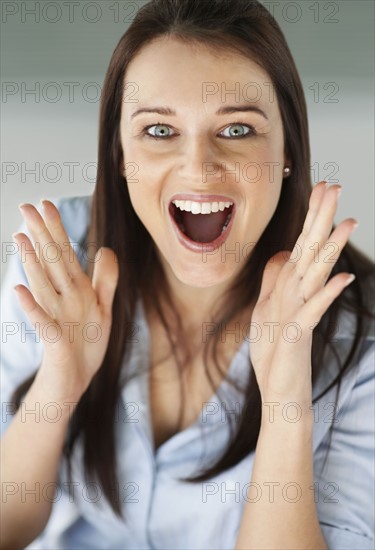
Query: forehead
[173,71]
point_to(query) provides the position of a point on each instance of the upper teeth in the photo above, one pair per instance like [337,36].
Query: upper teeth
[202,207]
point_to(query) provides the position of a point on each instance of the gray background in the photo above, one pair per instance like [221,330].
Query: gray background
[57,51]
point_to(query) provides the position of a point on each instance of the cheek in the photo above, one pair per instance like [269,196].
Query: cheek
[142,167]
[261,203]
[145,198]
[144,175]
[270,196]
[140,198]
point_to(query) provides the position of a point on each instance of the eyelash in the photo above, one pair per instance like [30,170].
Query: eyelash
[251,133]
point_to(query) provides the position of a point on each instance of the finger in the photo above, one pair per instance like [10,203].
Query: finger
[315,201]
[34,312]
[48,251]
[315,308]
[319,271]
[105,278]
[320,230]
[55,226]
[271,272]
[40,285]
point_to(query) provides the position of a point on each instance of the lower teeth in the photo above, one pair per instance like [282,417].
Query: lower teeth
[226,223]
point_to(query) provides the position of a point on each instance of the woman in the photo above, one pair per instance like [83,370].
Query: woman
[210,368]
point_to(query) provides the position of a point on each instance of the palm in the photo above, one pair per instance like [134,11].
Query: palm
[293,298]
[73,313]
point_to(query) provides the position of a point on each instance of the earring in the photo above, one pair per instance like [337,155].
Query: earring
[287,171]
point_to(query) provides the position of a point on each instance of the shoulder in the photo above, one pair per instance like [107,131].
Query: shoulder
[344,435]
[343,457]
[343,411]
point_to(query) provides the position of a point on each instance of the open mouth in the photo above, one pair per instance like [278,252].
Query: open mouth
[201,222]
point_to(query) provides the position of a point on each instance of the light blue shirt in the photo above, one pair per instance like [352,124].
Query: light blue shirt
[161,511]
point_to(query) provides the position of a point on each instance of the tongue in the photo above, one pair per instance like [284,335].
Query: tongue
[204,228]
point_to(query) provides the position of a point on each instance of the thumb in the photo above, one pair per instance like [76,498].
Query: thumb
[271,272]
[105,278]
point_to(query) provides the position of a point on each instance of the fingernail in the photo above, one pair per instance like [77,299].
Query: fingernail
[21,205]
[350,279]
[355,226]
[339,190]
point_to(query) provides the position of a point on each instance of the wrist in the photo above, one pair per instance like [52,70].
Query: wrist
[41,394]
[40,413]
[291,415]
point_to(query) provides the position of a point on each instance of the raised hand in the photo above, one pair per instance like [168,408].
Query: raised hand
[72,315]
[293,298]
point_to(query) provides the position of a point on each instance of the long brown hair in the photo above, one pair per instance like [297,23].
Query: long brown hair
[246,27]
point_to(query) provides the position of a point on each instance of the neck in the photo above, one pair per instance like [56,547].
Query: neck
[195,304]
[199,305]
[198,308]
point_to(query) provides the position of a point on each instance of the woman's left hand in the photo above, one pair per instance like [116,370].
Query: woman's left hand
[293,298]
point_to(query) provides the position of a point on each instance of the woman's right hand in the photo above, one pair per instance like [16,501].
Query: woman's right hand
[71,314]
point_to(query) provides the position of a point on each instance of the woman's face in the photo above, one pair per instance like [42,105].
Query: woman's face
[204,153]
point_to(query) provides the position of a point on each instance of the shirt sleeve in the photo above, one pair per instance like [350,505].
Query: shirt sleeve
[343,539]
[344,487]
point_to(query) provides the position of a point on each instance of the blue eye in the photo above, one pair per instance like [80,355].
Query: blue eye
[160,132]
[236,130]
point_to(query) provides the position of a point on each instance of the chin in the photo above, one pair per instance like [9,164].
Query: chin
[204,275]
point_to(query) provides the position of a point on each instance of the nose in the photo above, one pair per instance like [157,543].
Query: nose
[199,158]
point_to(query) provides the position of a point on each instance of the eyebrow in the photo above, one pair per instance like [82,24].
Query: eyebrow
[222,111]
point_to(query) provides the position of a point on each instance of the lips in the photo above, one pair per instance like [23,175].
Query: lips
[202,231]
